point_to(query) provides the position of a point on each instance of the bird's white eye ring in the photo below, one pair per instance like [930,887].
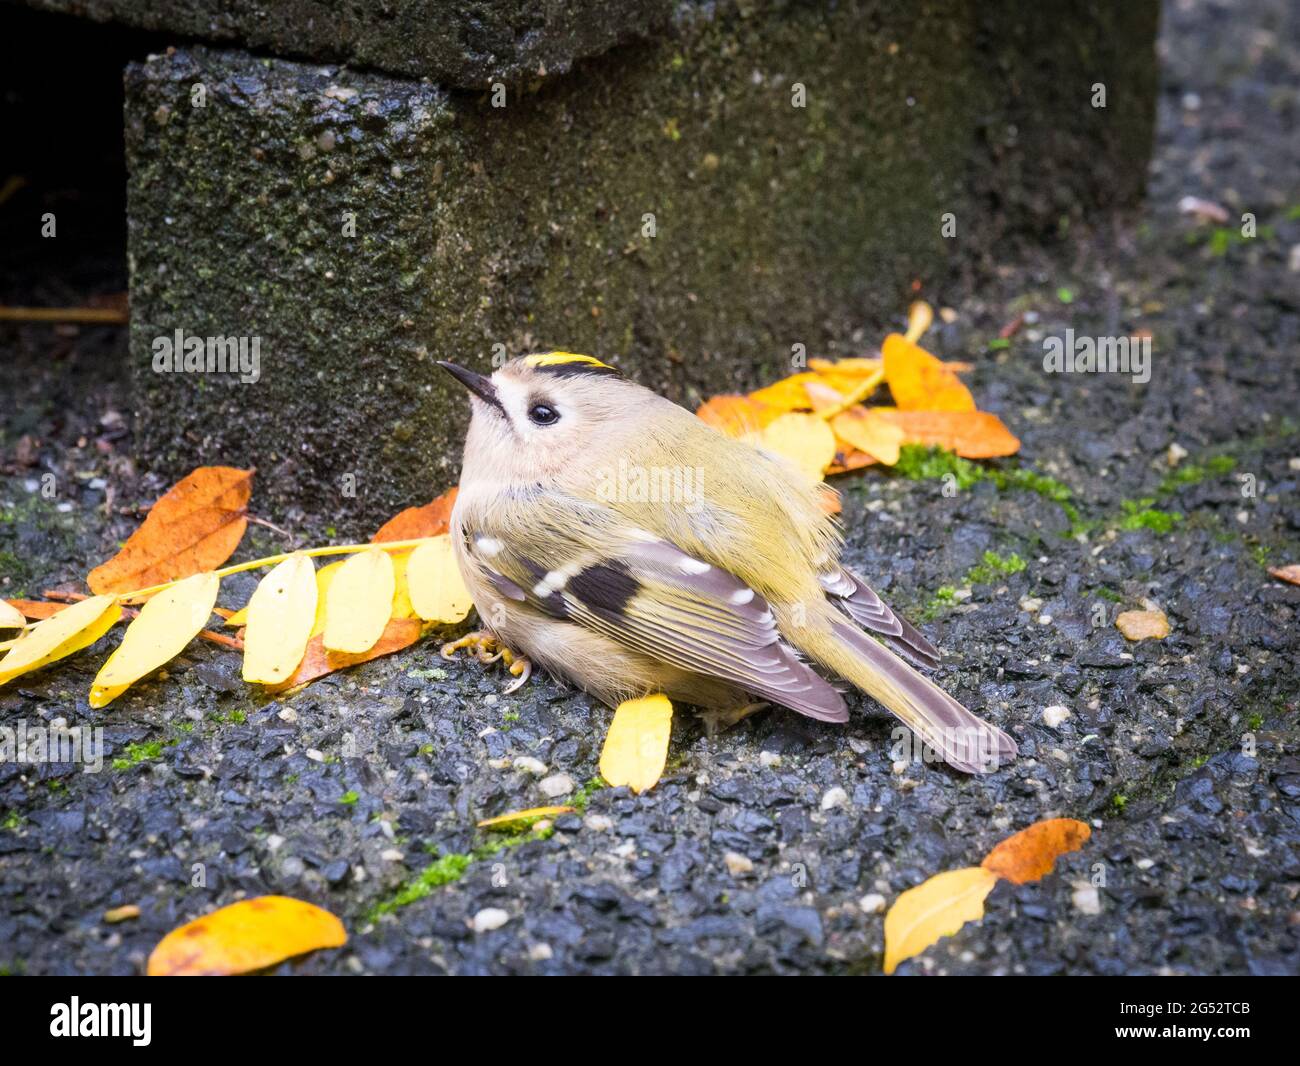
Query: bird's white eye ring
[543,414]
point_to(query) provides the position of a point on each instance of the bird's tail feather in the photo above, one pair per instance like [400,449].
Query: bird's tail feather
[963,741]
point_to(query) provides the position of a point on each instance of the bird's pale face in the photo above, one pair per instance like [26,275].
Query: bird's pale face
[531,423]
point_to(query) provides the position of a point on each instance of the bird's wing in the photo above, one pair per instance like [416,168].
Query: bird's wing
[648,595]
[859,601]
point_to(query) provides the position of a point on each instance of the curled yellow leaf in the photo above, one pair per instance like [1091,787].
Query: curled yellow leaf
[359,602]
[868,432]
[636,746]
[280,618]
[249,935]
[933,909]
[437,590]
[804,439]
[11,617]
[60,635]
[167,622]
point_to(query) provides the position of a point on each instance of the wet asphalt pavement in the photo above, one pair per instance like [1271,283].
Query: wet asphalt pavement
[774,847]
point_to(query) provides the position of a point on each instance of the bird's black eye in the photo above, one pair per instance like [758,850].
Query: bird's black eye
[542,414]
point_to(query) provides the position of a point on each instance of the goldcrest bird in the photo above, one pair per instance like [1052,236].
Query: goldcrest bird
[619,541]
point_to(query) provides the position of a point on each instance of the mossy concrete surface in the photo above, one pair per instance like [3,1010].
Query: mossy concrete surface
[666,206]
[467,43]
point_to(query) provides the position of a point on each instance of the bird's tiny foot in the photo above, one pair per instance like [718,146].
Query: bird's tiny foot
[487,649]
[716,721]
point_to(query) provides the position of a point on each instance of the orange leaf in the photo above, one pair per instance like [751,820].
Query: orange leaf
[317,662]
[849,458]
[971,434]
[1289,573]
[192,529]
[1031,853]
[919,381]
[249,935]
[37,608]
[416,522]
[867,431]
[736,416]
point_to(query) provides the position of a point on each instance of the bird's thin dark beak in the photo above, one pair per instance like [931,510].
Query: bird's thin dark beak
[476,383]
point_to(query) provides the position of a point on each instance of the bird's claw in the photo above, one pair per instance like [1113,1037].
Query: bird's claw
[487,649]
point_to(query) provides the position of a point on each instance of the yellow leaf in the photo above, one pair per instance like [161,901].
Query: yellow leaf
[509,821]
[11,617]
[1135,625]
[239,618]
[636,746]
[920,382]
[933,909]
[359,602]
[437,590]
[804,439]
[60,635]
[788,394]
[280,617]
[825,400]
[736,416]
[854,366]
[402,587]
[868,432]
[249,935]
[919,317]
[166,623]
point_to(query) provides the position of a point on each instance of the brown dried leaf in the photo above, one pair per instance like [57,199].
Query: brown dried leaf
[971,434]
[1031,853]
[416,522]
[1143,625]
[195,527]
[1289,573]
[317,662]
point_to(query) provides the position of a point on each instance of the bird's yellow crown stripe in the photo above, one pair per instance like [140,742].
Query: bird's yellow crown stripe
[561,358]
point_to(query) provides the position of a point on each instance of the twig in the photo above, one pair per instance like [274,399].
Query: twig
[272,527]
[112,316]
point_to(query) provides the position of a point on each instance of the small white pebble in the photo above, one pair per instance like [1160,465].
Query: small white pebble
[314,755]
[598,823]
[530,765]
[872,903]
[899,767]
[392,855]
[738,865]
[769,758]
[1145,864]
[288,714]
[540,952]
[1054,715]
[1175,455]
[1086,898]
[500,764]
[835,797]
[1032,604]
[555,786]
[274,842]
[1243,517]
[1044,619]
[489,918]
